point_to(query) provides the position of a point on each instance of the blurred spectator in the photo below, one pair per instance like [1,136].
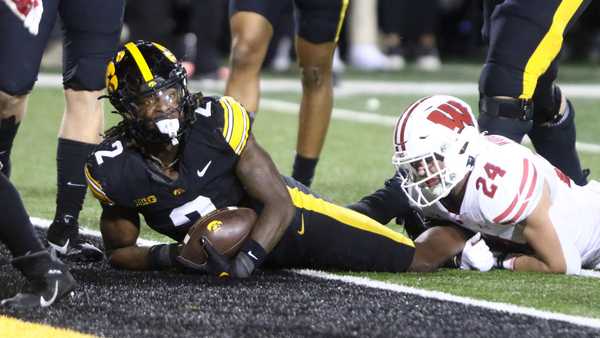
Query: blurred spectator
[364,53]
[459,30]
[192,29]
[409,28]
[281,54]
[583,43]
[152,20]
[208,23]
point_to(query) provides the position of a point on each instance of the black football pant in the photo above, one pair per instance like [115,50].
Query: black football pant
[525,39]
[317,21]
[323,235]
[91,30]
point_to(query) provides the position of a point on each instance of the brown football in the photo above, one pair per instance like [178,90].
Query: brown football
[226,229]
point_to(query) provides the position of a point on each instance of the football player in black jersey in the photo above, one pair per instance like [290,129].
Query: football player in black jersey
[318,25]
[517,85]
[91,31]
[177,156]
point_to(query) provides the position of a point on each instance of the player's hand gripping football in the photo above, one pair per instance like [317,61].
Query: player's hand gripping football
[476,255]
[219,265]
[28,11]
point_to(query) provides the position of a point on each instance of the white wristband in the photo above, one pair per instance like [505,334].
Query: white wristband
[509,264]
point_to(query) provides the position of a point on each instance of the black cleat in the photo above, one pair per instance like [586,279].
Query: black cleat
[63,238]
[49,280]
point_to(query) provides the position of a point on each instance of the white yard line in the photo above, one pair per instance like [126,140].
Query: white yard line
[510,308]
[352,87]
[383,120]
[360,87]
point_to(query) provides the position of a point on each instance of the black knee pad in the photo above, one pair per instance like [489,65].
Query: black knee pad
[555,141]
[508,117]
[546,103]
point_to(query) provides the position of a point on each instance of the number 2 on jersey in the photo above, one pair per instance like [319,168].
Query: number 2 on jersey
[118,149]
[492,172]
[201,205]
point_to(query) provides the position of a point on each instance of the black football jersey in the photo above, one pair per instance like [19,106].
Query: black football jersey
[120,175]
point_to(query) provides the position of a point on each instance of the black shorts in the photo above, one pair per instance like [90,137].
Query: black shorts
[323,235]
[317,21]
[91,31]
[525,38]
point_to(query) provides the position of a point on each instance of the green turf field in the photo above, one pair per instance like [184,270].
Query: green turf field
[356,161]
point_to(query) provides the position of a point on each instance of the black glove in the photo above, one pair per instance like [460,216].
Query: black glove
[216,263]
[219,265]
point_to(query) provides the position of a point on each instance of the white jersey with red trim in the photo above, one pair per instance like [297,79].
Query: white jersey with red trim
[506,185]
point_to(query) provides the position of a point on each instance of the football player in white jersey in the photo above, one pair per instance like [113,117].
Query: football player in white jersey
[492,185]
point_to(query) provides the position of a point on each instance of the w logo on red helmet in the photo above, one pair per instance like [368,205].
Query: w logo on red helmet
[447,111]
[451,114]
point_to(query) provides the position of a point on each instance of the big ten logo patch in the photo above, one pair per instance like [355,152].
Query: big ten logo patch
[140,202]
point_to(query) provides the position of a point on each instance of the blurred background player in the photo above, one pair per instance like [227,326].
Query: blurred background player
[363,35]
[518,95]
[318,25]
[49,278]
[194,30]
[409,28]
[91,32]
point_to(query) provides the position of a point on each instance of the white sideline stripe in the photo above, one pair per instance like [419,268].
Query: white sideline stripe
[510,308]
[366,87]
[382,120]
[361,87]
[44,224]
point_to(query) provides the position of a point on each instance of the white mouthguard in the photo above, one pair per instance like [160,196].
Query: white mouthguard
[169,127]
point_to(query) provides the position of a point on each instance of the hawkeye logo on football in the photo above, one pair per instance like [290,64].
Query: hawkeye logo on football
[214,225]
[140,202]
[178,192]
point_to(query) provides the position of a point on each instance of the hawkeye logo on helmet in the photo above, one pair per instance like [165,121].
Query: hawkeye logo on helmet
[112,83]
[151,84]
[120,56]
[214,225]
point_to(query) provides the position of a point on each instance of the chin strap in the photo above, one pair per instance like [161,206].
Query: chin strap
[169,127]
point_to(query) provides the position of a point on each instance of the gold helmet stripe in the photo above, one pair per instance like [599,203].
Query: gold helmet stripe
[140,61]
[236,124]
[166,52]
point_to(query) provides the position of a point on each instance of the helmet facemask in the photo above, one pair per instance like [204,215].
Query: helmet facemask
[157,117]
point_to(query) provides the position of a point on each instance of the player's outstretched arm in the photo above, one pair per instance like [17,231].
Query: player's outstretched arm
[262,180]
[543,239]
[435,247]
[120,229]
